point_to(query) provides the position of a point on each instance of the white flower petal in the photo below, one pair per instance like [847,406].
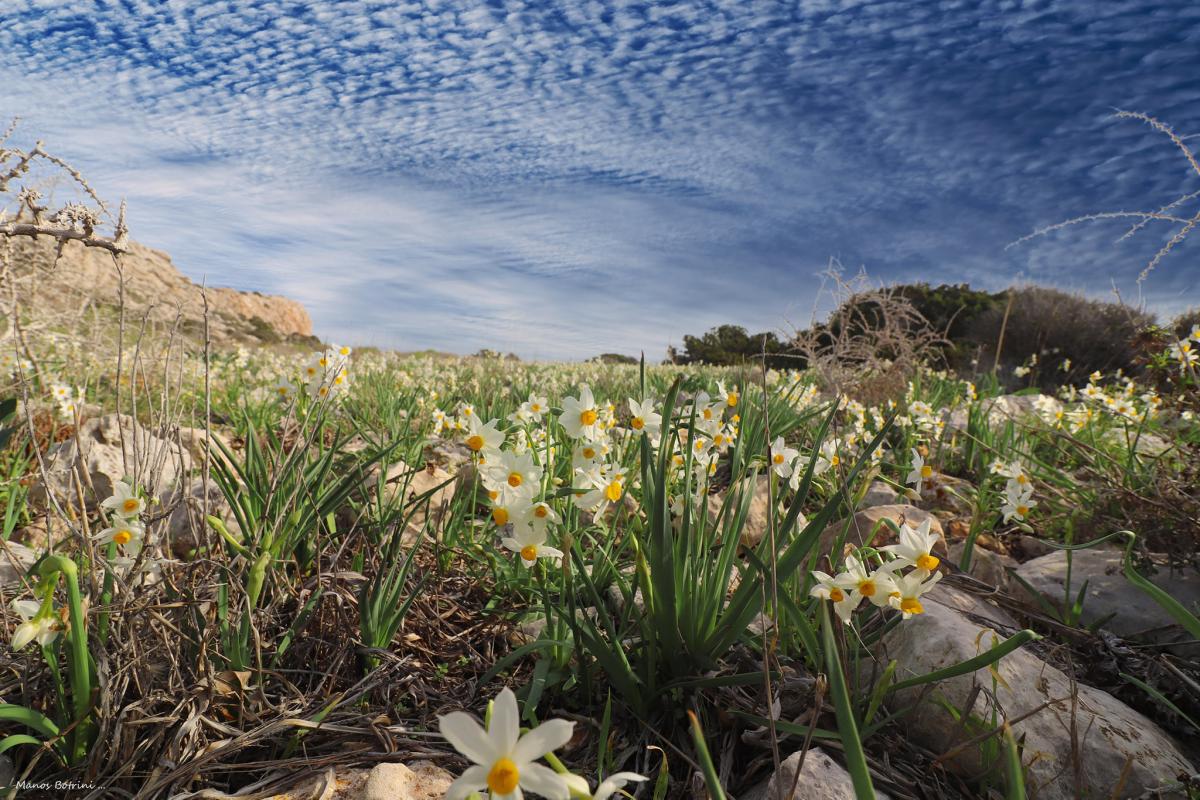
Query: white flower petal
[472,780]
[26,608]
[24,634]
[548,736]
[544,781]
[614,782]
[505,726]
[468,738]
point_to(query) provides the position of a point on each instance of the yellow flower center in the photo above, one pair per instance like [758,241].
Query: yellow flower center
[536,408]
[541,512]
[529,552]
[1021,479]
[637,423]
[732,399]
[493,494]
[587,417]
[500,515]
[777,458]
[926,471]
[1022,510]
[515,479]
[866,588]
[589,452]
[927,562]
[283,390]
[911,605]
[123,536]
[836,595]
[130,505]
[613,491]
[835,461]
[503,777]
[475,442]
[708,413]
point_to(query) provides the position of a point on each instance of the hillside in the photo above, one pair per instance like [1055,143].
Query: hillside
[86,279]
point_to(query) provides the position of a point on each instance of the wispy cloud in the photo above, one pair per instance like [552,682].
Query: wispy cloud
[562,180]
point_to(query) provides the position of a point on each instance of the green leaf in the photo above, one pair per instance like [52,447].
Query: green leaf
[856,759]
[29,718]
[9,742]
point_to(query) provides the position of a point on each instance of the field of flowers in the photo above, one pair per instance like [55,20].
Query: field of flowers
[228,574]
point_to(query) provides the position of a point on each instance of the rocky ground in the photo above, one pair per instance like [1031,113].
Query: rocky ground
[1057,694]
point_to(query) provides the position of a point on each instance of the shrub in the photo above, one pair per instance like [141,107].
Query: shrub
[728,345]
[1056,325]
[613,358]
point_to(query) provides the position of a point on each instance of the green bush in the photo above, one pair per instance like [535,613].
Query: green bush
[1056,325]
[728,345]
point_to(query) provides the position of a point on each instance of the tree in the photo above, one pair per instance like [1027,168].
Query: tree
[731,344]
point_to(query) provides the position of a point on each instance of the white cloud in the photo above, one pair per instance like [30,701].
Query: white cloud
[610,175]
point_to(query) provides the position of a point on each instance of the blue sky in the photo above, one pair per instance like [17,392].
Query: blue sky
[566,179]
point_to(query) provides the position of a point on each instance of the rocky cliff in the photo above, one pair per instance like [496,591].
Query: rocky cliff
[154,286]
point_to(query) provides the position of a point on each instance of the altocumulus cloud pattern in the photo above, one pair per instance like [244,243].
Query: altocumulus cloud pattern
[561,179]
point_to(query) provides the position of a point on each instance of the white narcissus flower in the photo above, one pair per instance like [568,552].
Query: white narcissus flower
[530,411]
[124,501]
[828,458]
[645,419]
[515,512]
[708,415]
[1017,504]
[503,760]
[580,417]
[285,389]
[783,458]
[729,396]
[875,585]
[600,488]
[1185,353]
[915,548]
[542,515]
[512,476]
[483,436]
[530,542]
[122,532]
[613,783]
[37,627]
[827,588]
[587,455]
[906,596]
[920,471]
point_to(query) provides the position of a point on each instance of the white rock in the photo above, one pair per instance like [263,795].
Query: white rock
[402,479]
[422,781]
[185,526]
[758,516]
[880,494]
[986,565]
[1019,408]
[868,527]
[15,561]
[821,778]
[109,449]
[956,626]
[1132,613]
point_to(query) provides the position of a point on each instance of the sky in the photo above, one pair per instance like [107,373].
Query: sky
[564,179]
